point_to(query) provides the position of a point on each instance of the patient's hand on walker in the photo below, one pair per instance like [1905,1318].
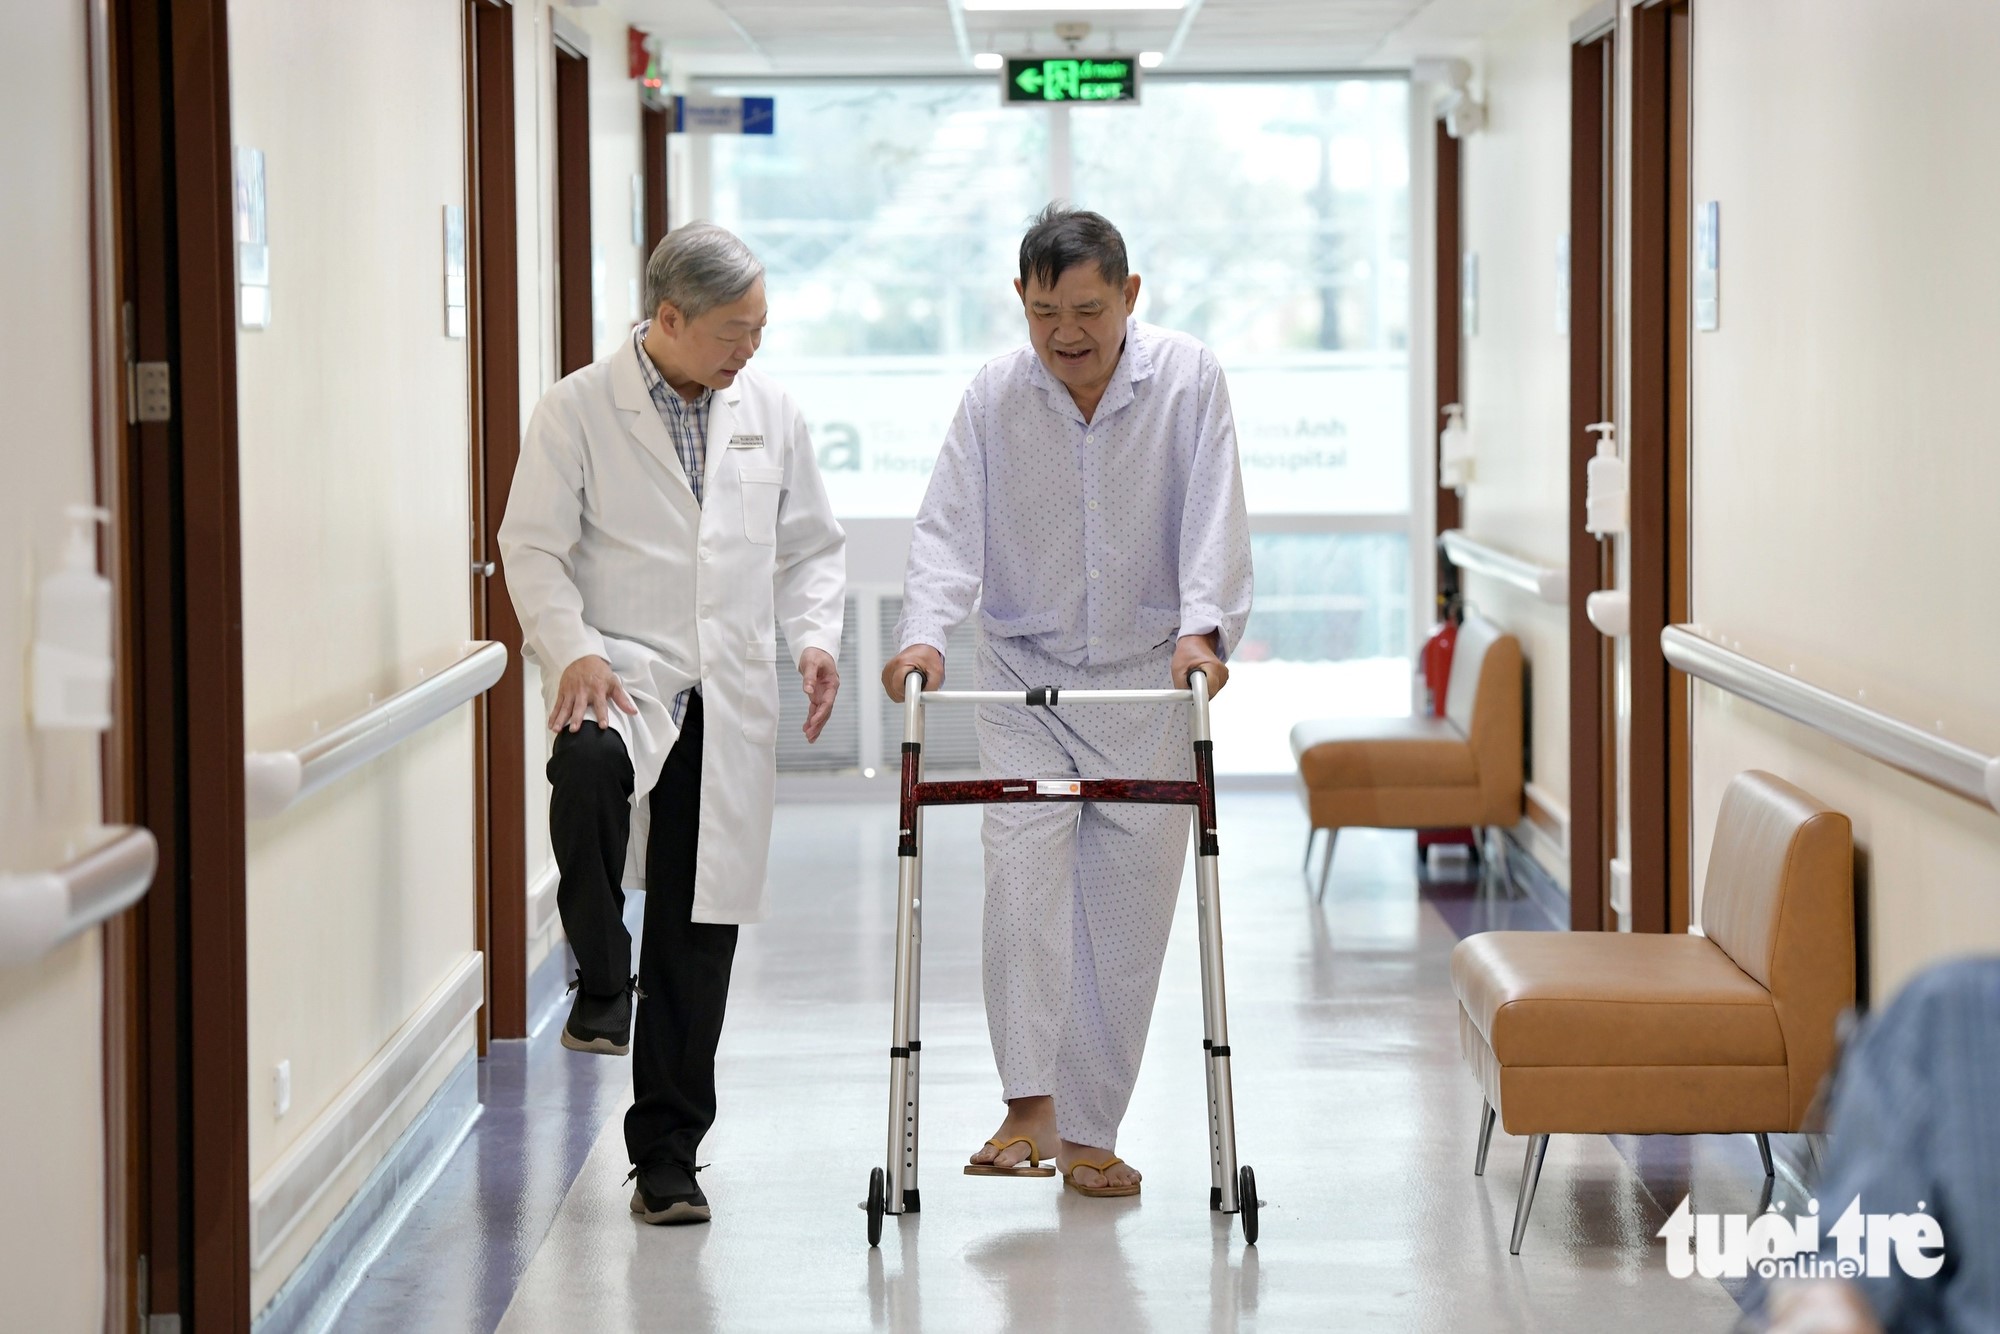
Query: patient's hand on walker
[1196,653]
[916,658]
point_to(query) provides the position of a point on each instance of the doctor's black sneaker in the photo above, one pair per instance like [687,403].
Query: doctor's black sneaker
[601,1024]
[666,1193]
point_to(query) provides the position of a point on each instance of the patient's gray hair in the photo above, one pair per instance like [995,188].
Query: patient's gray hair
[697,267]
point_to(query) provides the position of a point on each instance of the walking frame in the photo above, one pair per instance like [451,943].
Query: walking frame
[1233,1187]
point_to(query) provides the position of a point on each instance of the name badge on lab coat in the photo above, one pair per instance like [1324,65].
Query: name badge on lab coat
[746,442]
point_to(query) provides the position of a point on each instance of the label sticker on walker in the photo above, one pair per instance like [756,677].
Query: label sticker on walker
[1058,788]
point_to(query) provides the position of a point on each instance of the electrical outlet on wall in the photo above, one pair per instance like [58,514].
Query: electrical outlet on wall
[281,1088]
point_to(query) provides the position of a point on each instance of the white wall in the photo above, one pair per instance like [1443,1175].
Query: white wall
[52,1258]
[1845,470]
[616,149]
[355,492]
[1515,381]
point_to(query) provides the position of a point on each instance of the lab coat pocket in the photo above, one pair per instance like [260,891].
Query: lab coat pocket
[760,701]
[760,503]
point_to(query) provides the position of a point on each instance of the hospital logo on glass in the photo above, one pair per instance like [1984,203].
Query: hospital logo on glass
[1774,1246]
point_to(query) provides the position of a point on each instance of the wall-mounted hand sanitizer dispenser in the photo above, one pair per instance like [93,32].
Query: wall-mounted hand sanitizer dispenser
[1454,449]
[72,659]
[1604,497]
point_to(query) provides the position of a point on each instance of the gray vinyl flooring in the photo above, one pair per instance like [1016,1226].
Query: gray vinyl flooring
[1353,1107]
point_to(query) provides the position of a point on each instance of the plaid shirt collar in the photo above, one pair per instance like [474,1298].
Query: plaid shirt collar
[686,422]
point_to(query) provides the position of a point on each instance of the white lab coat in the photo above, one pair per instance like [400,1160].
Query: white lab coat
[605,551]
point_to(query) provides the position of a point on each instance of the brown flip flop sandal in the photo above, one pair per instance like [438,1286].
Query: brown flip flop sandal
[1098,1192]
[1031,1168]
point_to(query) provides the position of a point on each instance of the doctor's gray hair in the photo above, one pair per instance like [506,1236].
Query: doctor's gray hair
[697,267]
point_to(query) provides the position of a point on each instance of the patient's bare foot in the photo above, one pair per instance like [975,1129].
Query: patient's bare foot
[1032,1117]
[1071,1153]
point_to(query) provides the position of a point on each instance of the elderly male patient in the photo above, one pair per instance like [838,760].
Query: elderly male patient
[666,515]
[1088,497]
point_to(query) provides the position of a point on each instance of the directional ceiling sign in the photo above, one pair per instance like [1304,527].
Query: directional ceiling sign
[725,115]
[1040,82]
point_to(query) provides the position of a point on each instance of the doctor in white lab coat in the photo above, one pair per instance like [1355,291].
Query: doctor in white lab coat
[666,516]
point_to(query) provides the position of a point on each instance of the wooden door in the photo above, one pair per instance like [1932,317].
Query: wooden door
[176,1013]
[1657,453]
[574,335]
[495,355]
[1450,345]
[1592,734]
[653,128]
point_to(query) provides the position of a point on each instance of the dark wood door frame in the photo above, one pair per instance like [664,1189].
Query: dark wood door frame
[653,129]
[1656,455]
[1592,796]
[177,967]
[575,334]
[1450,345]
[495,357]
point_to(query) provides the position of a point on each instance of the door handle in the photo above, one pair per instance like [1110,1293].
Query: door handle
[484,568]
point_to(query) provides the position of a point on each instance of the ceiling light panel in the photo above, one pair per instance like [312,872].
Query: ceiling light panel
[1066,6]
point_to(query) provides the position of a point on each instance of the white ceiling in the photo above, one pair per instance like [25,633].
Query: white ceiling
[903,36]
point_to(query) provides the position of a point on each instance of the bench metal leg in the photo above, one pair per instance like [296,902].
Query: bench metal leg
[1312,837]
[1531,1175]
[1764,1151]
[1487,1116]
[1326,866]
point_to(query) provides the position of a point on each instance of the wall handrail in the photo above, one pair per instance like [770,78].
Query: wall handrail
[276,780]
[1546,582]
[1920,753]
[40,910]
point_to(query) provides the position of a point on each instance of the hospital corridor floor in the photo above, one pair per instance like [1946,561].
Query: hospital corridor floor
[1352,1105]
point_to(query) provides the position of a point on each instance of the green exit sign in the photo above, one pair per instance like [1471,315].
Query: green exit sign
[1035,82]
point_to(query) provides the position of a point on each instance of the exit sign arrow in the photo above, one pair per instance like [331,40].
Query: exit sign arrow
[1056,80]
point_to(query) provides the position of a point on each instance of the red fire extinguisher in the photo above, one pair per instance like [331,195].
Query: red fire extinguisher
[1436,663]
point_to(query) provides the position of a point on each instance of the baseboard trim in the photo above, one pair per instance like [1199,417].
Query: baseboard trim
[548,984]
[311,1299]
[1549,817]
[542,900]
[291,1186]
[1531,878]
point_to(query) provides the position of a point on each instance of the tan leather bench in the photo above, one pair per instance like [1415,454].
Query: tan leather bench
[1422,773]
[1729,1031]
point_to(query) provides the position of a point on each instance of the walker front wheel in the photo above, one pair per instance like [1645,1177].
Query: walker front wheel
[877,1198]
[1246,1203]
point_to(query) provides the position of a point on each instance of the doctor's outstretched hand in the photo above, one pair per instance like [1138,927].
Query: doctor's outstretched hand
[821,682]
[1196,653]
[588,683]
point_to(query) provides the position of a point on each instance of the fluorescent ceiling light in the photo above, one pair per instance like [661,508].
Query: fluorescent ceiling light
[1151,59]
[988,60]
[1061,6]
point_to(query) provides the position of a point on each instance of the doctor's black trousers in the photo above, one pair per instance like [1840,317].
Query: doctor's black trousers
[683,965]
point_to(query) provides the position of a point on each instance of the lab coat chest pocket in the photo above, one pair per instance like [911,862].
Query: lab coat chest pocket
[760,486]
